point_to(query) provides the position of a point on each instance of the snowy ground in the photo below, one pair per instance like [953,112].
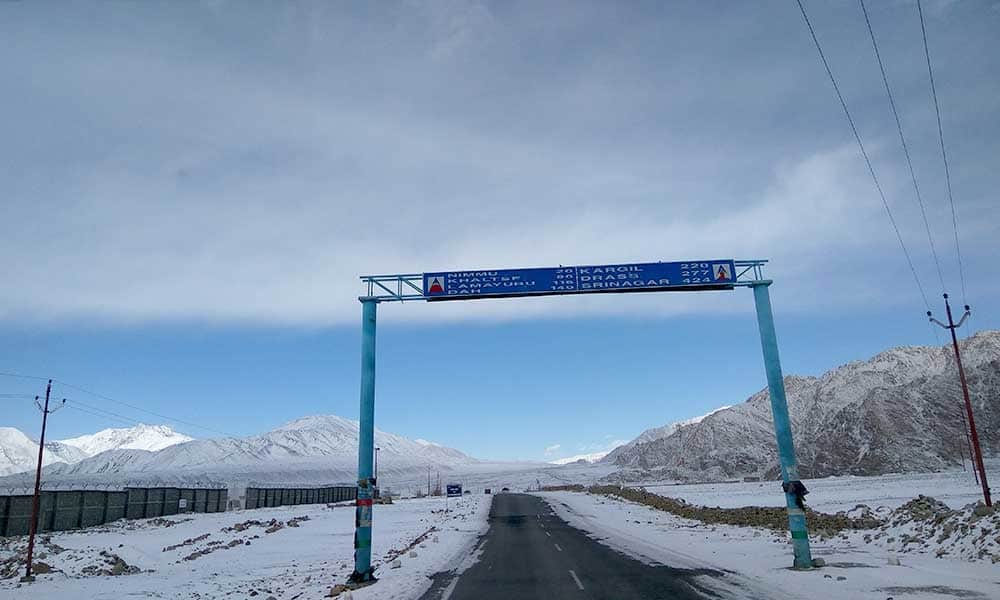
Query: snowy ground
[760,558]
[204,556]
[304,559]
[833,494]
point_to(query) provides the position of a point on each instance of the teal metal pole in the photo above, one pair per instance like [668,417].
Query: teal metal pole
[782,424]
[366,448]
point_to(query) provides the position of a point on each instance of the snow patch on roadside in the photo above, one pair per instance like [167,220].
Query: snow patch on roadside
[925,525]
[450,544]
[286,552]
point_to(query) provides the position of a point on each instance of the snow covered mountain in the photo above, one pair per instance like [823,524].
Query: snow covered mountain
[307,448]
[19,453]
[899,411]
[655,433]
[586,458]
[140,437]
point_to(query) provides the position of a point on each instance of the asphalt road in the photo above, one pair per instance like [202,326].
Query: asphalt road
[529,552]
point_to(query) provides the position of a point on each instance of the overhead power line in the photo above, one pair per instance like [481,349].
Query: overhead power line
[109,416]
[944,154]
[140,409]
[864,153]
[18,375]
[104,413]
[126,404]
[902,141]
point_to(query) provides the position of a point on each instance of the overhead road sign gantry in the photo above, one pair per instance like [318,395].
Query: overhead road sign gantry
[586,279]
[694,275]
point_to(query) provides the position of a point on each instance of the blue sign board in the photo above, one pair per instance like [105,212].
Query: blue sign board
[454,489]
[636,277]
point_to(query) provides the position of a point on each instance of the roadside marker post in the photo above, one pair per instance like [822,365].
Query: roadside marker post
[702,275]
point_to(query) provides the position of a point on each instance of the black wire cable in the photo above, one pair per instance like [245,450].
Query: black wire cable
[107,413]
[902,141]
[7,374]
[104,414]
[109,399]
[120,419]
[133,407]
[864,153]
[944,154]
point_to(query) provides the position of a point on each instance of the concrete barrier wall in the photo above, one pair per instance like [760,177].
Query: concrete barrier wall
[154,502]
[75,509]
[200,501]
[117,503]
[212,501]
[68,509]
[136,508]
[171,501]
[60,510]
[186,498]
[268,497]
[18,515]
[102,507]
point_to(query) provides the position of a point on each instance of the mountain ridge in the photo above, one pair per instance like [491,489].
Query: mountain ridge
[897,411]
[310,446]
[655,433]
[19,452]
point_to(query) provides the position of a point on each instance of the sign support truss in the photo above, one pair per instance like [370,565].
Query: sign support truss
[408,287]
[643,277]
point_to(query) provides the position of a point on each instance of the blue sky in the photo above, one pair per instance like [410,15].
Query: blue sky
[192,190]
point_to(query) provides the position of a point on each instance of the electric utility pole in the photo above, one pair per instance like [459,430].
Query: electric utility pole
[967,446]
[951,326]
[38,481]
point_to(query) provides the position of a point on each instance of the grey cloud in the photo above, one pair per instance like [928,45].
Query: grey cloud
[223,163]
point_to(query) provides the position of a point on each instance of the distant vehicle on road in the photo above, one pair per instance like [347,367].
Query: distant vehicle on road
[505,490]
[487,491]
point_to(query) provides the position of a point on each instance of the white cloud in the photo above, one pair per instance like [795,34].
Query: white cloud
[608,444]
[589,451]
[229,186]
